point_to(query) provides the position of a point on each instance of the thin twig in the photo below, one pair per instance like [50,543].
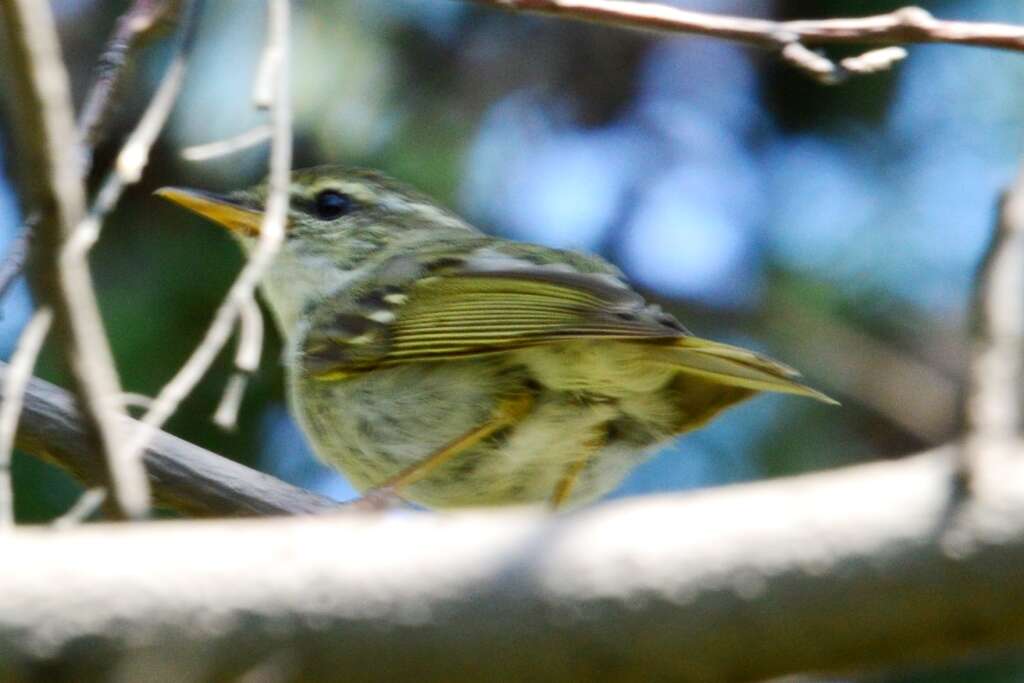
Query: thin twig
[226,415]
[906,25]
[134,154]
[140,24]
[145,20]
[271,235]
[250,337]
[17,256]
[128,475]
[61,275]
[903,26]
[85,507]
[131,487]
[22,361]
[247,360]
[220,148]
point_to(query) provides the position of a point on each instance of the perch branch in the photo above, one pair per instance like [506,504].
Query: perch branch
[185,478]
[661,588]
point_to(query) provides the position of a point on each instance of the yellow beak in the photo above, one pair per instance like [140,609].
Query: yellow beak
[239,219]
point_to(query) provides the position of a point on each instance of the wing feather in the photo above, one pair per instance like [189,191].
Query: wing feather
[465,313]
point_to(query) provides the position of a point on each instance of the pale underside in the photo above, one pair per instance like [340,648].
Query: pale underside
[600,405]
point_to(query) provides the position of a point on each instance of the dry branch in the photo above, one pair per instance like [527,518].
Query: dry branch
[864,567]
[61,275]
[273,79]
[907,25]
[23,360]
[184,477]
[145,20]
[903,26]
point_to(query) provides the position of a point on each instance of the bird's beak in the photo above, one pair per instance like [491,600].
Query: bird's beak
[239,219]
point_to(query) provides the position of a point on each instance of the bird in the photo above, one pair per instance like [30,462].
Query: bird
[438,365]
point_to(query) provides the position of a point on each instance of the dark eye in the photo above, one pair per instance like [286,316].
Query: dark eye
[331,204]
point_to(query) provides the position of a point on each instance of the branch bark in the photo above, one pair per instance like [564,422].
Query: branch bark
[864,567]
[274,84]
[184,477]
[901,27]
[906,25]
[61,275]
[994,409]
[144,21]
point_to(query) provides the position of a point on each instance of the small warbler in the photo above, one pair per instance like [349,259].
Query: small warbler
[430,361]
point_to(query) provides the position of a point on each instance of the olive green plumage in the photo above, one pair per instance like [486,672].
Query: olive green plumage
[463,369]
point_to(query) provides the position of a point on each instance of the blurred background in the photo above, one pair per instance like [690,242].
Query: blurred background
[837,229]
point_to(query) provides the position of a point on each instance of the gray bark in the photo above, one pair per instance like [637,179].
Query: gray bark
[856,568]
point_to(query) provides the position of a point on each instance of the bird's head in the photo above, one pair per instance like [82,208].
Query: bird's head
[338,220]
[332,210]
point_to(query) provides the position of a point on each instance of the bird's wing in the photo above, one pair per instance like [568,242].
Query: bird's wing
[470,310]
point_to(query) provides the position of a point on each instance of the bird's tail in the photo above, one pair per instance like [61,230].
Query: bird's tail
[733,366]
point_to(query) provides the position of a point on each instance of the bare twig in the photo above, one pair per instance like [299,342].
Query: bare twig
[994,410]
[134,154]
[85,507]
[141,23]
[226,414]
[903,26]
[220,148]
[130,483]
[828,72]
[907,25]
[16,257]
[247,360]
[145,20]
[185,477]
[22,361]
[61,275]
[271,234]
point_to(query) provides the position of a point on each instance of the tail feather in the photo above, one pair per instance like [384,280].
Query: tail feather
[734,366]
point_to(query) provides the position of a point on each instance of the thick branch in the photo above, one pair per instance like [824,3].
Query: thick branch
[907,25]
[858,568]
[184,477]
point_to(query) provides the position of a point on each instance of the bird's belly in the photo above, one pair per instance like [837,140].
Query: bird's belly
[374,426]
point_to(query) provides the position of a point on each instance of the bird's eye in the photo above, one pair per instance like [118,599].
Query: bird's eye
[331,204]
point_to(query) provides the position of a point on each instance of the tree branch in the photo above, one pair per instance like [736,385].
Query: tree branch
[61,275]
[185,477]
[822,572]
[23,360]
[141,23]
[907,25]
[903,26]
[273,86]
[145,20]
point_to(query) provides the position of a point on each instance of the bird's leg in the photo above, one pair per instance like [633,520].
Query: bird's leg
[508,412]
[564,487]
